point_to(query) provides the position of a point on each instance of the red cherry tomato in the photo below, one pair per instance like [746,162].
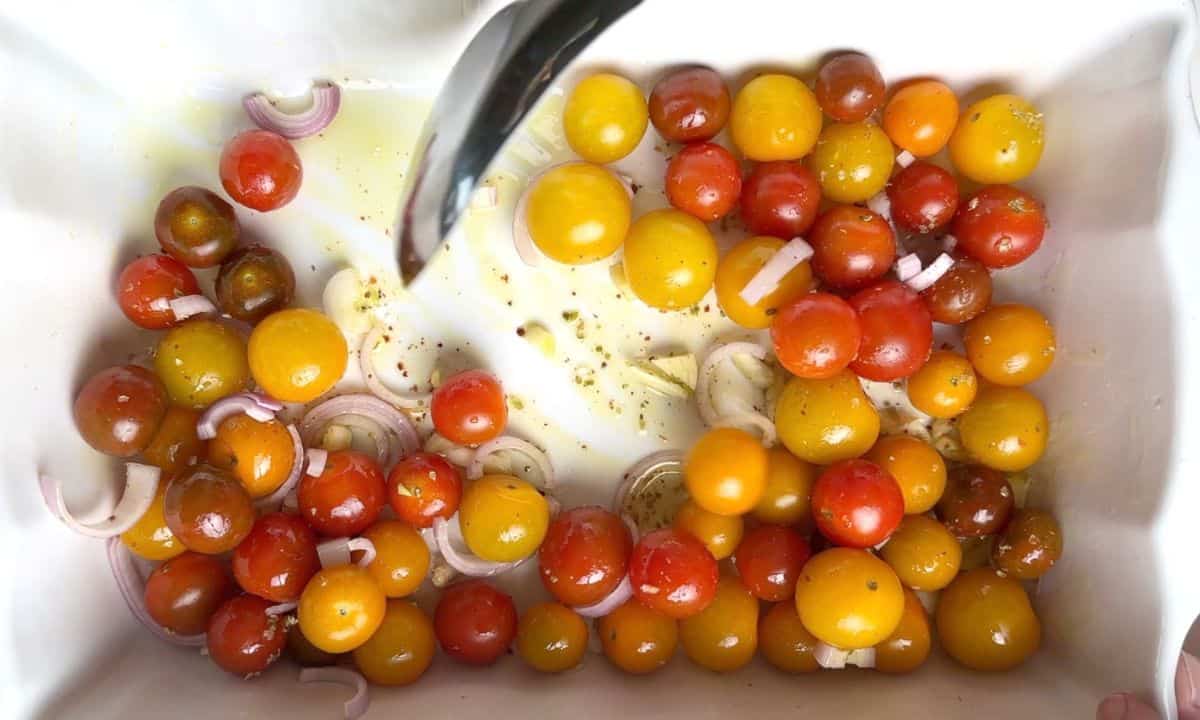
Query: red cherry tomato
[852,247]
[184,592]
[780,199]
[704,180]
[689,105]
[243,639]
[856,503]
[474,622]
[897,332]
[816,335]
[673,572]
[261,170]
[769,560]
[346,497]
[1000,226]
[469,408]
[923,197]
[277,559]
[585,555]
[147,284]
[424,486]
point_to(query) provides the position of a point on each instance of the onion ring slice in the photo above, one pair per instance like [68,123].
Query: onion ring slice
[141,485]
[357,705]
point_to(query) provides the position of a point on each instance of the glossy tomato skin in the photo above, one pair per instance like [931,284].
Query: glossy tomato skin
[243,639]
[897,332]
[923,196]
[673,573]
[207,510]
[1000,226]
[852,247]
[704,180]
[816,336]
[261,170]
[253,283]
[176,445]
[424,486]
[119,409]
[849,87]
[961,294]
[857,504]
[475,623]
[584,555]
[146,284]
[769,560]
[469,408]
[978,501]
[277,559]
[346,497]
[184,592]
[196,227]
[689,105]
[780,199]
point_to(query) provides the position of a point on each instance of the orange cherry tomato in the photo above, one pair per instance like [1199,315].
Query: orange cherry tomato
[551,638]
[945,386]
[724,636]
[785,642]
[907,648]
[787,497]
[917,468]
[469,408]
[985,621]
[726,471]
[740,265]
[401,650]
[816,335]
[637,639]
[921,116]
[401,557]
[719,533]
[340,608]
[259,454]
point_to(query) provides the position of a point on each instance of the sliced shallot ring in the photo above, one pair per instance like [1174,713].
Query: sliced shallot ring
[904,158]
[256,406]
[522,240]
[752,419]
[460,455]
[281,608]
[356,706]
[485,197]
[926,278]
[276,498]
[639,470]
[907,267]
[402,439]
[949,242]
[468,565]
[326,100]
[187,306]
[703,379]
[506,442]
[133,592]
[881,205]
[615,599]
[835,658]
[316,458]
[774,270]
[407,401]
[336,551]
[141,484]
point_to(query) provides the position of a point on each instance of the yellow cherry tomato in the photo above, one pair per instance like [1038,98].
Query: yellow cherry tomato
[401,557]
[551,638]
[921,116]
[340,608]
[924,554]
[787,497]
[849,598]
[907,648]
[150,538]
[1010,344]
[985,621]
[945,385]
[918,469]
[578,213]
[998,140]
[201,361]
[297,355]
[503,518]
[724,635]
[785,642]
[726,471]
[823,421]
[259,454]
[637,639]
[670,259]
[852,161]
[401,650]
[775,117]
[1005,428]
[719,533]
[605,117]
[740,265]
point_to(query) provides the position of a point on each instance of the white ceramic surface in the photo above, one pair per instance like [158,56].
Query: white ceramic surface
[110,104]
